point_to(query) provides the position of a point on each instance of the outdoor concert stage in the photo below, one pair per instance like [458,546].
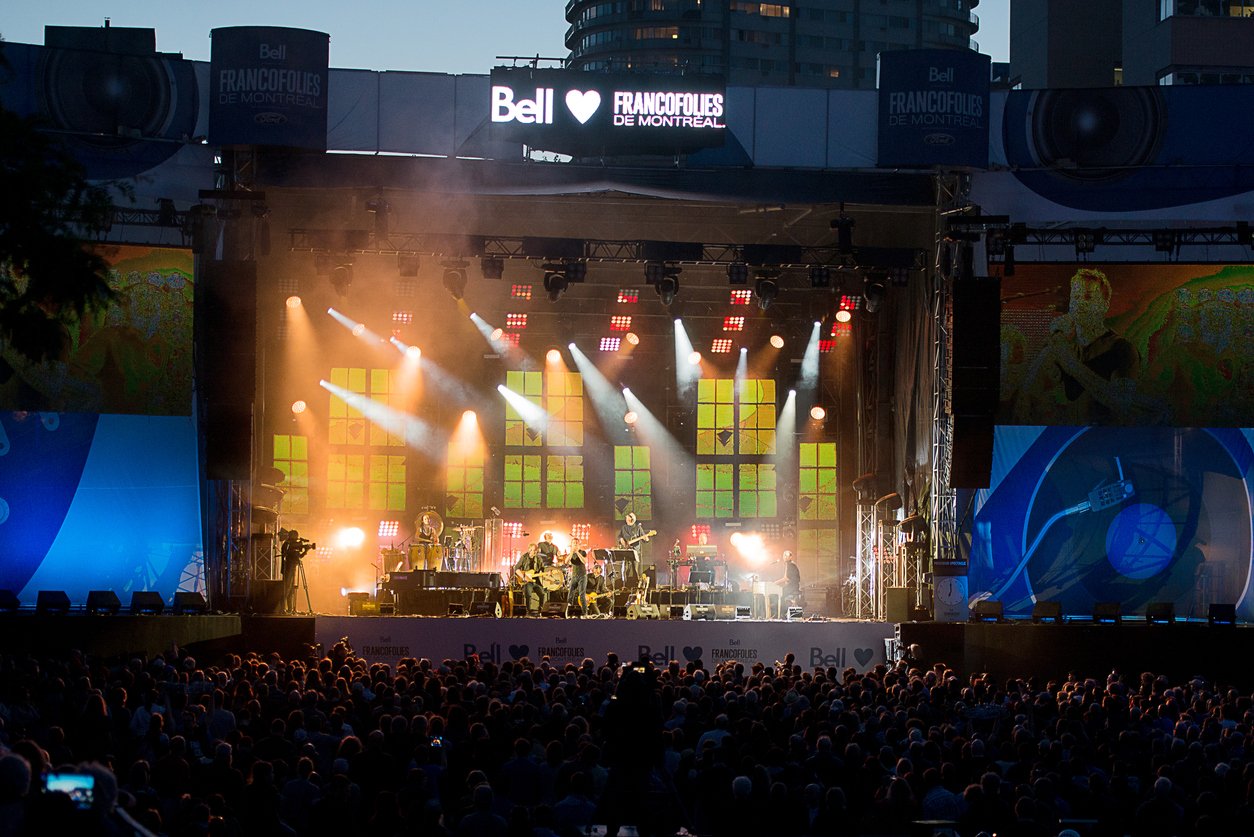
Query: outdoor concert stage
[1179,650]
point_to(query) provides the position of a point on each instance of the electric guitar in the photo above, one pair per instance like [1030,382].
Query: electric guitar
[643,537]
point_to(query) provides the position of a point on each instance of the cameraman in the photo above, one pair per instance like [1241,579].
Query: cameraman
[294,549]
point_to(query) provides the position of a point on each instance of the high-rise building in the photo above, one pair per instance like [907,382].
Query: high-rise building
[804,43]
[1102,43]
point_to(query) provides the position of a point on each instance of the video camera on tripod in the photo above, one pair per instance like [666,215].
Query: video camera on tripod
[296,545]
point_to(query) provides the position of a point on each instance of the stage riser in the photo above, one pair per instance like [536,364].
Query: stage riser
[388,639]
[435,602]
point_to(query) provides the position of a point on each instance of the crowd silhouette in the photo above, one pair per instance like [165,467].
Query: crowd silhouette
[333,744]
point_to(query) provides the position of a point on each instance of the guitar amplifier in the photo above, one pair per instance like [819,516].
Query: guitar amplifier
[643,611]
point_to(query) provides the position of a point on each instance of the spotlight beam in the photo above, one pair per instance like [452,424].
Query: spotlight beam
[606,399]
[417,433]
[532,414]
[654,433]
[809,379]
[686,374]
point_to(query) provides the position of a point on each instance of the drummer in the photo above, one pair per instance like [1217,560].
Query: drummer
[547,549]
[428,529]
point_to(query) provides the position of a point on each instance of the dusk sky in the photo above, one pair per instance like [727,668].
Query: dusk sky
[454,36]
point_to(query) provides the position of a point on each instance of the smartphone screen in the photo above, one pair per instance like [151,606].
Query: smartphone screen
[79,787]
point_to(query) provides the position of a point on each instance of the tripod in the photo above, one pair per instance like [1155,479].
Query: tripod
[299,583]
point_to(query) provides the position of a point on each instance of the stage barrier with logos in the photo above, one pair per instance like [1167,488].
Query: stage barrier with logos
[820,643]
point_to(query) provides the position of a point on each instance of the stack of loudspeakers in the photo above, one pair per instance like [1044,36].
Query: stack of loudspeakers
[226,364]
[642,611]
[976,379]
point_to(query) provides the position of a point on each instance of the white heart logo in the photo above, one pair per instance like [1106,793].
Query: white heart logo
[583,104]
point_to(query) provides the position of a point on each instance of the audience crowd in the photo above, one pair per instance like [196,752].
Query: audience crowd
[334,744]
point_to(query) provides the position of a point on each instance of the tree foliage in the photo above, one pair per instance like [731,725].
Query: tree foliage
[49,275]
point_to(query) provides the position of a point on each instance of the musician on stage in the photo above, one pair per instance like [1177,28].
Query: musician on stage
[631,535]
[790,594]
[547,549]
[528,565]
[428,530]
[578,558]
[597,588]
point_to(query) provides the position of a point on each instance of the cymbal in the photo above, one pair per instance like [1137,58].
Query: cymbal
[465,527]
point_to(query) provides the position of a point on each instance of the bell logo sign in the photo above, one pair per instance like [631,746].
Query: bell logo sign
[538,111]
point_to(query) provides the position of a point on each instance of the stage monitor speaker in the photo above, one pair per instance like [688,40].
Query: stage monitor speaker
[52,601]
[103,601]
[187,601]
[644,611]
[555,610]
[988,610]
[897,602]
[1160,613]
[1222,615]
[457,608]
[1107,613]
[744,612]
[146,601]
[1047,612]
[265,596]
[794,613]
[725,611]
[9,602]
[676,611]
[486,609]
[698,611]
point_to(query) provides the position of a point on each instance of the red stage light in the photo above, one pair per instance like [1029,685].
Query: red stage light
[620,322]
[628,296]
[826,345]
[403,317]
[516,321]
[741,296]
[721,346]
[520,291]
[733,324]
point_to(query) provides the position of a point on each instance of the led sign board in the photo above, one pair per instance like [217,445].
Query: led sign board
[584,113]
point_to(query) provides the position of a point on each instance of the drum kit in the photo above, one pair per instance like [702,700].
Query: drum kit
[432,549]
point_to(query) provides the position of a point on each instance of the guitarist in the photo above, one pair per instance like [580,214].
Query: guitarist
[631,535]
[597,590]
[528,571]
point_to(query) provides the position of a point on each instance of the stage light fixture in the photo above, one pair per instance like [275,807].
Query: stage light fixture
[777,341]
[491,267]
[843,227]
[403,317]
[631,417]
[299,407]
[694,358]
[820,276]
[293,301]
[342,279]
[359,329]
[413,352]
[610,344]
[553,356]
[455,278]
[497,333]
[873,294]
[632,338]
[1086,241]
[620,322]
[667,288]
[628,296]
[520,291]
[516,321]
[766,288]
[389,528]
[721,346]
[575,270]
[555,284]
[844,315]
[818,413]
[738,273]
[826,345]
[741,296]
[1165,240]
[407,264]
[733,324]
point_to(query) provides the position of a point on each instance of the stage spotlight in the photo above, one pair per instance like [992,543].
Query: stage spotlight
[413,352]
[555,284]
[470,417]
[844,315]
[631,417]
[359,329]
[553,356]
[777,341]
[492,267]
[350,537]
[820,277]
[342,278]
[299,407]
[496,333]
[407,264]
[667,287]
[873,294]
[694,358]
[738,273]
[766,289]
[293,301]
[455,278]
[844,234]
[632,338]
[818,413]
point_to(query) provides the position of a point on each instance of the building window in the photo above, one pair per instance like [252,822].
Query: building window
[564,403]
[564,482]
[716,495]
[529,385]
[522,481]
[757,490]
[633,482]
[757,417]
[291,456]
[816,496]
[347,426]
[817,554]
[464,482]
[387,483]
[656,33]
[346,481]
[716,416]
